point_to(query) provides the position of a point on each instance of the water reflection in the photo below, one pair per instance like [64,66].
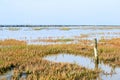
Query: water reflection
[108,72]
[8,75]
[96,64]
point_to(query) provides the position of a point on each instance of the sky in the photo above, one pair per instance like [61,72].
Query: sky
[60,12]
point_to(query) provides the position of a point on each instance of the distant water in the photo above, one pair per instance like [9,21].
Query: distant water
[29,33]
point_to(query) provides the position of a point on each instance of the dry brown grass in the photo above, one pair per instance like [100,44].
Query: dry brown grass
[12,42]
[82,36]
[109,51]
[65,28]
[29,58]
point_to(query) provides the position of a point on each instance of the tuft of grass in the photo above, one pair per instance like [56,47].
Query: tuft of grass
[37,28]
[53,40]
[83,36]
[64,40]
[11,42]
[64,28]
[13,28]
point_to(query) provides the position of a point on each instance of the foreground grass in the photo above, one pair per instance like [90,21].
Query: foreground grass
[28,59]
[45,70]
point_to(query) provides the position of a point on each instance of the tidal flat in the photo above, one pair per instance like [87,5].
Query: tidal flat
[60,55]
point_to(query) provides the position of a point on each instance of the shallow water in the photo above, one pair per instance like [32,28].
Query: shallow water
[108,73]
[8,75]
[28,34]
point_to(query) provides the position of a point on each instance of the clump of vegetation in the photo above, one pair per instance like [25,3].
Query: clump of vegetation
[64,40]
[12,42]
[13,28]
[82,36]
[109,51]
[37,28]
[53,40]
[64,28]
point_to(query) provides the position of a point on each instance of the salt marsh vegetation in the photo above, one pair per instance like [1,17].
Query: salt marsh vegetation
[27,60]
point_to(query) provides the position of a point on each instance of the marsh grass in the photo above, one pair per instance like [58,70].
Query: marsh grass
[12,42]
[109,51]
[64,28]
[45,70]
[38,28]
[64,40]
[13,28]
[82,36]
[53,40]
[28,58]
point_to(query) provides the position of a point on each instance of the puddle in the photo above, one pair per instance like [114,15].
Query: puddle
[108,73]
[23,75]
[8,75]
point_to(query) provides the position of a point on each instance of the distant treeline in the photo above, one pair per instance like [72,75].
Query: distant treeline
[56,25]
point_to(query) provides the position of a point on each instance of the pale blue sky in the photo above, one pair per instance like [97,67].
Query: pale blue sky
[79,12]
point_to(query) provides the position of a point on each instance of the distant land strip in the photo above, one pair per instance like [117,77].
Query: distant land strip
[59,25]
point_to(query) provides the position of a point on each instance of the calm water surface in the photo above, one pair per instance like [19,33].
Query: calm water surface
[109,73]
[28,34]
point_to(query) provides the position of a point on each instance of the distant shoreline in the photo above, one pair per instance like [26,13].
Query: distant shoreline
[59,25]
